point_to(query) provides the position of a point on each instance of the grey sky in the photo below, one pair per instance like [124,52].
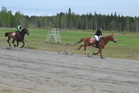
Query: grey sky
[52,7]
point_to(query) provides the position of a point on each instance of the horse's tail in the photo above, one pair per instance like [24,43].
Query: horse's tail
[6,34]
[81,40]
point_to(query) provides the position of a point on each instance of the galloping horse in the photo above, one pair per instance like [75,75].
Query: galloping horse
[18,38]
[101,44]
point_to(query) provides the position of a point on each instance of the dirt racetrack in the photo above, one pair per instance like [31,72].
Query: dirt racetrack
[36,71]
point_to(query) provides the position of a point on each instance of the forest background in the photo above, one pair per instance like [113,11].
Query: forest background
[71,20]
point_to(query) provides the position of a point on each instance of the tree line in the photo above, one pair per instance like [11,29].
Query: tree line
[70,20]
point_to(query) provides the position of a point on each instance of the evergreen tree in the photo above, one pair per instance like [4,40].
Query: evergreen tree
[71,20]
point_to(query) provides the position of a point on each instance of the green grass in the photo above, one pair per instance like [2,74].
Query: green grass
[127,45]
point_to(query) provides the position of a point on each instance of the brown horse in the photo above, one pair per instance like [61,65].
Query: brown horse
[19,37]
[101,44]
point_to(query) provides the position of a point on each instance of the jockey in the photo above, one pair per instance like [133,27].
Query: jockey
[97,35]
[19,28]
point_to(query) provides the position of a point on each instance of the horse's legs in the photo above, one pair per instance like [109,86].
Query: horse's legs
[82,46]
[9,42]
[23,44]
[13,43]
[85,45]
[99,51]
[17,43]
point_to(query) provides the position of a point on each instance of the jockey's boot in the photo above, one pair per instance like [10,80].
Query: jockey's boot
[17,35]
[96,44]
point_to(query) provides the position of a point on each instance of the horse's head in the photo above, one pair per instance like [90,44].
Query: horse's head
[25,30]
[112,38]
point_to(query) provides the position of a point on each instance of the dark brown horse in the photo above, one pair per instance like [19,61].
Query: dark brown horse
[19,37]
[101,44]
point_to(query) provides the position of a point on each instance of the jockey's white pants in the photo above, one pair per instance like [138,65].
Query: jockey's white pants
[96,37]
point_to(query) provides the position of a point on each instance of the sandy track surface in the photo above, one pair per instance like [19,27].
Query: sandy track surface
[36,71]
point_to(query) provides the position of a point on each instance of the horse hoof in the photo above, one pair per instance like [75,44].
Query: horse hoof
[8,48]
[94,53]
[89,55]
[102,58]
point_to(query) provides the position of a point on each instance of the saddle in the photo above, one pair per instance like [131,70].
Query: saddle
[16,35]
[92,40]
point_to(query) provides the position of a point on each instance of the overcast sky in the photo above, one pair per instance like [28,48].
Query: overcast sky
[52,7]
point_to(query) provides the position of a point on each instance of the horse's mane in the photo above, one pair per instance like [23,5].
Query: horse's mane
[24,29]
[102,38]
